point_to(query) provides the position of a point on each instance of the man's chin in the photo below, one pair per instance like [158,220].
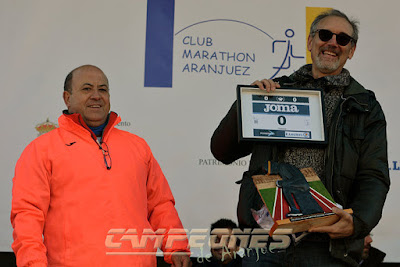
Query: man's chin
[94,121]
[327,67]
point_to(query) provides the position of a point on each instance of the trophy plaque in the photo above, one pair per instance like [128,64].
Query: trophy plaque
[285,115]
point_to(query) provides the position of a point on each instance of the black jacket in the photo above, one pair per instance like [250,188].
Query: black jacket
[357,174]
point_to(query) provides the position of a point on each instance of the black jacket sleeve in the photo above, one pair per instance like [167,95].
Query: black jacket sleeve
[225,145]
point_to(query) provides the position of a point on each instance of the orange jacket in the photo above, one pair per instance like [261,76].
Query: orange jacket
[68,209]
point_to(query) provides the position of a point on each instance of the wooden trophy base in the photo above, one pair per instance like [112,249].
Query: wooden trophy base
[303,223]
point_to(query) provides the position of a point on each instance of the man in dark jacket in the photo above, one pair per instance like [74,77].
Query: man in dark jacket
[353,166]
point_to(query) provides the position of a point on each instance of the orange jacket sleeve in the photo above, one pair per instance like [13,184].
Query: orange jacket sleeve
[30,202]
[162,212]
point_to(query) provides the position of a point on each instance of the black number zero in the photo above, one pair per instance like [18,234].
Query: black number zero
[281,120]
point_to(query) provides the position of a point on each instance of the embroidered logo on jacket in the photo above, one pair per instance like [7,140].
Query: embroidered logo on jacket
[70,144]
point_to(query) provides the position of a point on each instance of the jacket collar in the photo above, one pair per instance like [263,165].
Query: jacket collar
[354,88]
[351,87]
[78,123]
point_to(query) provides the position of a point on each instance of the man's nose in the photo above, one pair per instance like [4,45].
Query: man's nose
[95,94]
[333,41]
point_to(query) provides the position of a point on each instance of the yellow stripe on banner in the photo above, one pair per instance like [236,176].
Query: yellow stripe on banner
[311,14]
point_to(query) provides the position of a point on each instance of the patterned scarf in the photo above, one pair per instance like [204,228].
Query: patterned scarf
[310,155]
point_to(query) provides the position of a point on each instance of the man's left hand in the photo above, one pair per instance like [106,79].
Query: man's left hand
[180,260]
[342,228]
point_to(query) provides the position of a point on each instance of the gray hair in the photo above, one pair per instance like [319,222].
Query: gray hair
[334,12]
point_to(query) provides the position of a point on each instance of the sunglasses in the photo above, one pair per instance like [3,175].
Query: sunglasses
[341,38]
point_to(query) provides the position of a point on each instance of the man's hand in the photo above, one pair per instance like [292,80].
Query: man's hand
[267,85]
[181,259]
[342,228]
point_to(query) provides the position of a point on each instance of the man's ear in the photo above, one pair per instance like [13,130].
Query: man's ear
[66,97]
[352,50]
[309,41]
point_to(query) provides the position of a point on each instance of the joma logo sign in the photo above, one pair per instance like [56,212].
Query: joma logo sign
[281,108]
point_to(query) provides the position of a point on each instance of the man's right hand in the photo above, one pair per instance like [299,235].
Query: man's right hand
[267,85]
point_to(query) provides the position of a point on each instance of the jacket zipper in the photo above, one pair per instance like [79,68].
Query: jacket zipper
[108,166]
[334,142]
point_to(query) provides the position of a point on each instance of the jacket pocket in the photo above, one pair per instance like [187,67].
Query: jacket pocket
[353,125]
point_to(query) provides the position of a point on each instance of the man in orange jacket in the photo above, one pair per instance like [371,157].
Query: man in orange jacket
[89,194]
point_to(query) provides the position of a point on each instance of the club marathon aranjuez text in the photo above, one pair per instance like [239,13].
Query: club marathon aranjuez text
[202,58]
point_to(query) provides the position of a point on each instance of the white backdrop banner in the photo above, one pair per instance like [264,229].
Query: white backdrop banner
[173,68]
